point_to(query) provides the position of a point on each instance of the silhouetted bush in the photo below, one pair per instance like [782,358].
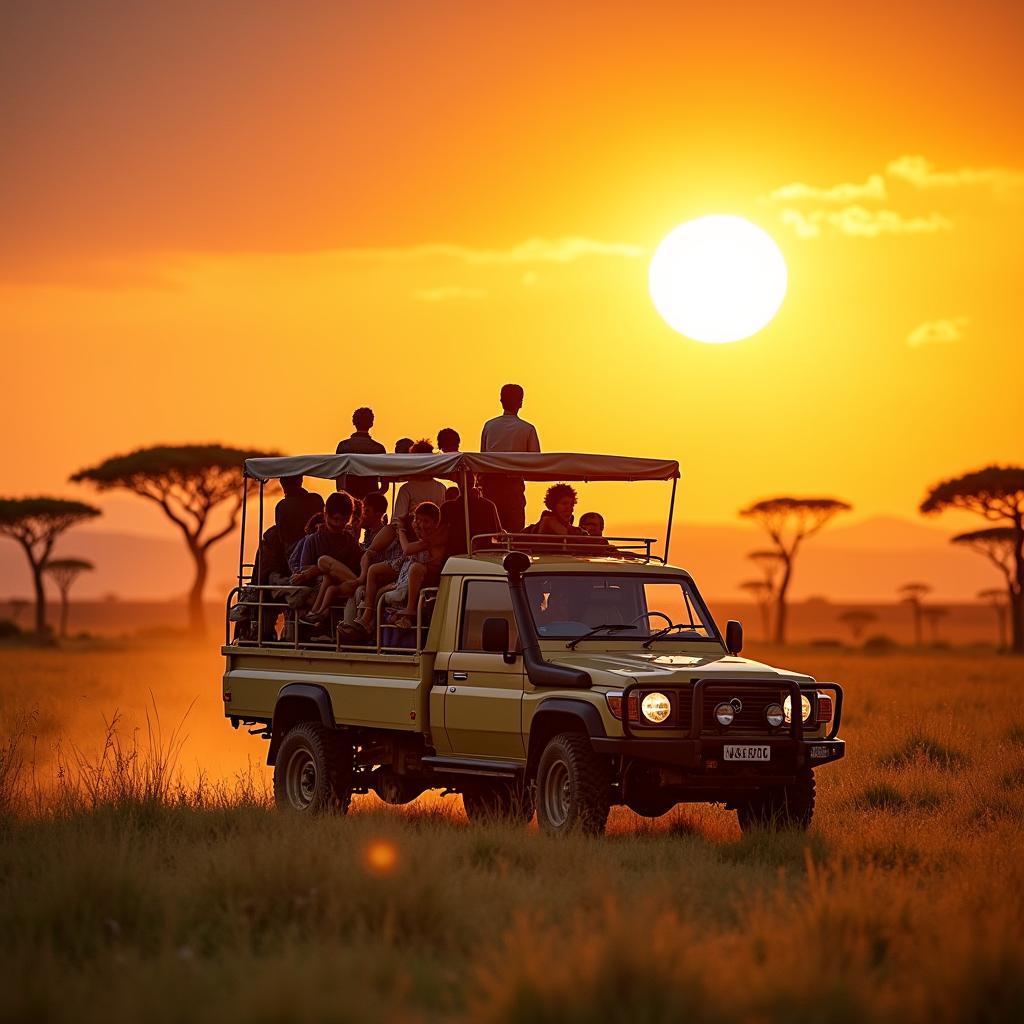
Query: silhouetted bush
[880,644]
[8,627]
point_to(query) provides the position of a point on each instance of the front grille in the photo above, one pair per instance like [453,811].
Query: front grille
[750,718]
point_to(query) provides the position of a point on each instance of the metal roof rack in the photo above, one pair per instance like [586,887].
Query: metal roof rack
[577,545]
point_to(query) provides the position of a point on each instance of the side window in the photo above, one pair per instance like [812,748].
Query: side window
[485,599]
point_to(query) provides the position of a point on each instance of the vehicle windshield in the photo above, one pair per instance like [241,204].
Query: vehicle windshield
[567,606]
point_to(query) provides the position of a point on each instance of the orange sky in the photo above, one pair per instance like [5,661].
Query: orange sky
[317,206]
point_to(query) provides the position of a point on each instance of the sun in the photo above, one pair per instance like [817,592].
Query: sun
[717,278]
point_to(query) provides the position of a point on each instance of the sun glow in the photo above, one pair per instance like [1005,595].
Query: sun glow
[717,279]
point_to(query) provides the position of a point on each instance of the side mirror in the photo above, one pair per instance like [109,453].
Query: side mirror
[495,636]
[734,636]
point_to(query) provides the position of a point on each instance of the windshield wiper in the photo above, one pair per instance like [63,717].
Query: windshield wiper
[611,627]
[665,632]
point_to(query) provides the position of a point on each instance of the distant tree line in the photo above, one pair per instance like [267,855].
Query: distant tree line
[995,493]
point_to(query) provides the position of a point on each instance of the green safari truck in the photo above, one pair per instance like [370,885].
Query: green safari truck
[560,675]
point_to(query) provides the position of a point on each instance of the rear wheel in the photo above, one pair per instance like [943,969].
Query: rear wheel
[573,786]
[313,773]
[790,806]
[506,801]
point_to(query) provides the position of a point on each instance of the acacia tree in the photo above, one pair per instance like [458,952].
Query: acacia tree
[762,593]
[36,523]
[995,598]
[997,545]
[997,494]
[789,522]
[64,572]
[858,619]
[914,594]
[198,487]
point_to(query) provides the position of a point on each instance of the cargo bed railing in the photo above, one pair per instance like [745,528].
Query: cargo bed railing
[267,601]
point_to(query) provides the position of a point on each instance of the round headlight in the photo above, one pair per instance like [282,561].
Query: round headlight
[656,707]
[774,715]
[805,708]
[724,714]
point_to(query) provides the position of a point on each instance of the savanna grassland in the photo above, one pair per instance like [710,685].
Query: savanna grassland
[152,881]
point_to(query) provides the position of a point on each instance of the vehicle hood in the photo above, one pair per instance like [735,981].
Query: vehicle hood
[614,670]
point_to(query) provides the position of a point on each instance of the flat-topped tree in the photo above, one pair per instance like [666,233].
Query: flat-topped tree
[997,494]
[997,544]
[858,620]
[36,523]
[198,487]
[64,572]
[789,522]
[914,594]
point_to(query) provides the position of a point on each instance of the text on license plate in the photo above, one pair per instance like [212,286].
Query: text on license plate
[746,752]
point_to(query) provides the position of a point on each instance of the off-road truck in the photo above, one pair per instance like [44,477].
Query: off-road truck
[558,674]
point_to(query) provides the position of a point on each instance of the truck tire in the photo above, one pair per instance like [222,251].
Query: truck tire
[573,786]
[498,801]
[313,773]
[790,806]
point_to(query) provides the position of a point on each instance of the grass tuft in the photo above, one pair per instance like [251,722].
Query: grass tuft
[920,749]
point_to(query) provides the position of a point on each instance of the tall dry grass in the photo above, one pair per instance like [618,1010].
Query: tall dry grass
[145,892]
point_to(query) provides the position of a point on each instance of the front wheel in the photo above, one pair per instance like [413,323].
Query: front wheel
[573,786]
[313,773]
[780,807]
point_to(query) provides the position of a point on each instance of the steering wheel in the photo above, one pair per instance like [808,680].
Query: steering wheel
[647,615]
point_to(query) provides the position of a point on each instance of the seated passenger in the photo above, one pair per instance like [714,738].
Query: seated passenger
[294,510]
[425,555]
[380,569]
[557,517]
[330,549]
[295,555]
[336,587]
[592,523]
[419,489]
[374,518]
[483,518]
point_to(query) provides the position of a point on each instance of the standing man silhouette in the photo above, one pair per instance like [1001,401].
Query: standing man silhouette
[360,443]
[508,433]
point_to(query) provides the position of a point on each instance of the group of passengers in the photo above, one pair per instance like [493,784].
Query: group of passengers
[345,552]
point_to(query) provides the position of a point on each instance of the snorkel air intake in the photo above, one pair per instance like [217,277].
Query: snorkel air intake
[540,671]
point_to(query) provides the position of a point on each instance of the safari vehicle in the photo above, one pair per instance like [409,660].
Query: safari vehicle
[562,674]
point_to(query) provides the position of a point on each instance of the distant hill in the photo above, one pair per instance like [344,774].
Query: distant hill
[865,561]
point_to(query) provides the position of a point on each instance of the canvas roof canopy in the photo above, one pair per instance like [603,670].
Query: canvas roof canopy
[540,466]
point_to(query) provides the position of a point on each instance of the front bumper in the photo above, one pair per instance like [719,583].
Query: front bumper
[700,756]
[706,755]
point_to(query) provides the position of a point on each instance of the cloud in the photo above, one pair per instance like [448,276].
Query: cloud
[448,293]
[917,171]
[857,221]
[936,332]
[533,250]
[847,192]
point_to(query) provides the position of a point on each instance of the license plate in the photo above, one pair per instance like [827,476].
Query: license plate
[746,752]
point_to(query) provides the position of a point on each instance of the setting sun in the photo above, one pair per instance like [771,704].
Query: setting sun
[718,279]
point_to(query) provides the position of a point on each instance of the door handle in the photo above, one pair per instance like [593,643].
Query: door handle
[460,675]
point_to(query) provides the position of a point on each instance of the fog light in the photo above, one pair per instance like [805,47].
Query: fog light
[656,707]
[774,715]
[724,714]
[805,708]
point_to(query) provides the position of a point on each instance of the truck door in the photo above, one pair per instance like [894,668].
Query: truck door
[484,697]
